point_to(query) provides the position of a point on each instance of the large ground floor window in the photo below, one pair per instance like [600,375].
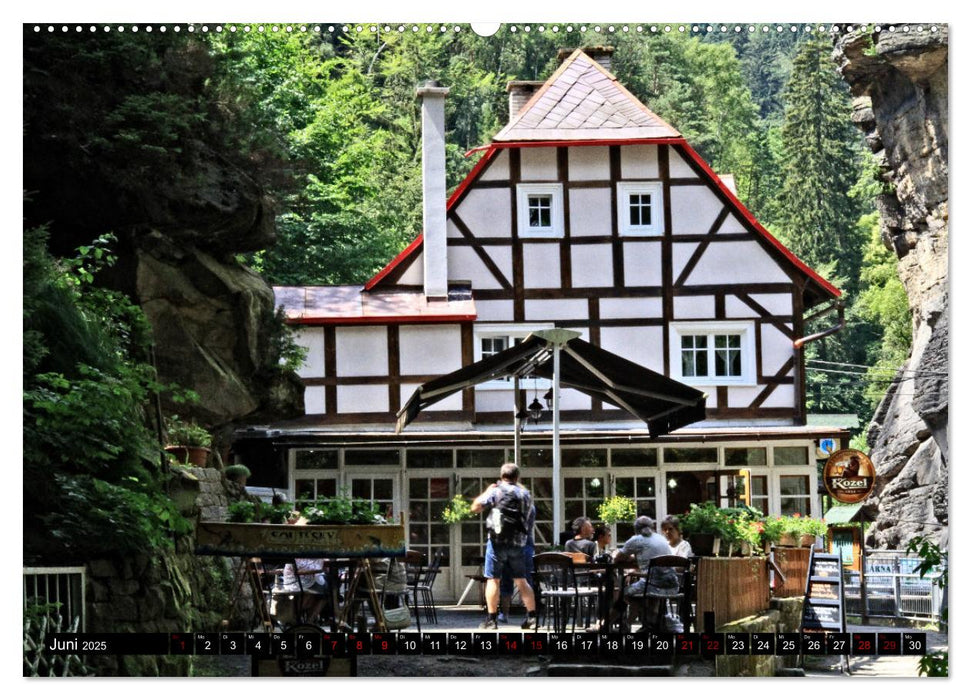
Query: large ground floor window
[414,484]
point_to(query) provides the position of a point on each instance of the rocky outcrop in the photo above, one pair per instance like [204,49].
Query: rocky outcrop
[124,135]
[899,80]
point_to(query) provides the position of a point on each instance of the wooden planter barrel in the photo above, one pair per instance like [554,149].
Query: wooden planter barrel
[794,564]
[732,588]
[318,541]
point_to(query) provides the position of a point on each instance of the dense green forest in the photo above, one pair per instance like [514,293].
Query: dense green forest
[328,124]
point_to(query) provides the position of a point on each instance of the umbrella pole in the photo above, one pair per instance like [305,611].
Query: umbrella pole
[516,439]
[557,492]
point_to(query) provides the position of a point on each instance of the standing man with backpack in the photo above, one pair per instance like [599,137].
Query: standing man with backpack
[509,519]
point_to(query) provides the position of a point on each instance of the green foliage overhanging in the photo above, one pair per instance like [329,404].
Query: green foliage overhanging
[91,486]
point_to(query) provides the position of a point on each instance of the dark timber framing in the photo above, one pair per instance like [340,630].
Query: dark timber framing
[511,286]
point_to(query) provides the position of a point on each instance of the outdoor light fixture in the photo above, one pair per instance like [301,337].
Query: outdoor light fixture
[535,410]
[548,398]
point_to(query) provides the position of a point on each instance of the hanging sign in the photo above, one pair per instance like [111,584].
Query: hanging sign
[849,476]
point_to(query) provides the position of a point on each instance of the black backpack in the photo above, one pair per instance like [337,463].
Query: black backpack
[512,520]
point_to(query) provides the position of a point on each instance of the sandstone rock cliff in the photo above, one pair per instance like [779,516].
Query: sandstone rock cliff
[900,83]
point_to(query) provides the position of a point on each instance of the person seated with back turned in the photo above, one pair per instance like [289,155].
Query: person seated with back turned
[581,542]
[645,545]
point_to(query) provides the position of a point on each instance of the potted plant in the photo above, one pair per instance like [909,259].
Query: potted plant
[342,510]
[704,525]
[810,529]
[791,530]
[238,473]
[187,441]
[617,509]
[243,512]
[457,510]
[772,531]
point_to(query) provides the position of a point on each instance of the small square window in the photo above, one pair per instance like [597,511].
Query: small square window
[640,208]
[540,210]
[713,353]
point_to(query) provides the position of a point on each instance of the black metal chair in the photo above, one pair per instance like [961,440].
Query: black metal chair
[666,582]
[425,585]
[557,591]
[414,563]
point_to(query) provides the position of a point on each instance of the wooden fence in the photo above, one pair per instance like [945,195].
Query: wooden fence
[731,587]
[794,564]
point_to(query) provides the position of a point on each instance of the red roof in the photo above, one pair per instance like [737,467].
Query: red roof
[349,305]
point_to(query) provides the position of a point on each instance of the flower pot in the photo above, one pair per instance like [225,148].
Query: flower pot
[787,540]
[807,541]
[705,545]
[196,456]
[745,549]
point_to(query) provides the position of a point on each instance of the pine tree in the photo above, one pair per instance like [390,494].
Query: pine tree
[820,159]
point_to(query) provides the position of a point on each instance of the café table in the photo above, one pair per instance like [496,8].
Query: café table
[609,572]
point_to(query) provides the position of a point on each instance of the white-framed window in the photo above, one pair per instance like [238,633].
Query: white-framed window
[540,210]
[640,208]
[493,339]
[713,353]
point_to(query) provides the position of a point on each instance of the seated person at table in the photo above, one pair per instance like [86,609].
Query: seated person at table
[601,540]
[644,546]
[581,542]
[311,582]
[671,529]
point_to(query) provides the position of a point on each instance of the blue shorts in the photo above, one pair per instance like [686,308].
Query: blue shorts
[503,560]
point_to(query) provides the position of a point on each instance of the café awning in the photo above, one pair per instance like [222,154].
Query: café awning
[663,403]
[845,514]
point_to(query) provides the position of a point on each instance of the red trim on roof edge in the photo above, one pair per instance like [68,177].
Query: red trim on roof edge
[378,320]
[394,263]
[588,142]
[759,227]
[386,270]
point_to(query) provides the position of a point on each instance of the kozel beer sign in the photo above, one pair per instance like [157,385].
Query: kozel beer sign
[849,476]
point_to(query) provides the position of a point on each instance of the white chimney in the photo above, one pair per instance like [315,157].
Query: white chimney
[432,96]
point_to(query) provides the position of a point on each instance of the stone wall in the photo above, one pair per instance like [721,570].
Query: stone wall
[784,615]
[170,590]
[900,83]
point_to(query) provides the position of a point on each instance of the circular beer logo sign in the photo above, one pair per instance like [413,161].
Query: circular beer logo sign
[849,476]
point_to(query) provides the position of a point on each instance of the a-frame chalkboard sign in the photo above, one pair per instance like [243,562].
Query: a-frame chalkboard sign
[822,608]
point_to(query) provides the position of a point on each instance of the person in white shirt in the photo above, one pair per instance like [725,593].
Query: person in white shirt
[671,528]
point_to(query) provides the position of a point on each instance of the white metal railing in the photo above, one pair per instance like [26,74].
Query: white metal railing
[893,588]
[59,586]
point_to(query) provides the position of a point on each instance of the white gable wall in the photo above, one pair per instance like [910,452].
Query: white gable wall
[486,212]
[589,163]
[498,169]
[541,265]
[642,264]
[313,340]
[589,211]
[639,162]
[537,164]
[592,265]
[744,262]
[361,352]
[431,349]
[693,209]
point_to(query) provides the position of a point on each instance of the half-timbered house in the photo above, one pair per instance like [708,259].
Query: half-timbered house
[588,212]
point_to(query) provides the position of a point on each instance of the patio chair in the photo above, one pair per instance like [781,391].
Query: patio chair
[666,599]
[427,583]
[557,591]
[414,563]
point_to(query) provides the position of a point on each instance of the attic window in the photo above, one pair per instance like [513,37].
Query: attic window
[540,210]
[640,208]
